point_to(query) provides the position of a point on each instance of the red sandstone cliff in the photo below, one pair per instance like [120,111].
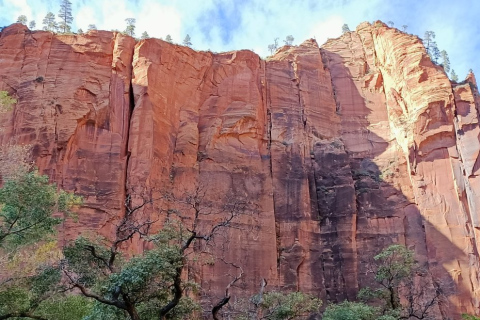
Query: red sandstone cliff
[339,150]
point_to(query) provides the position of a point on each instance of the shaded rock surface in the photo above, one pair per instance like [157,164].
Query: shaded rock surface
[333,152]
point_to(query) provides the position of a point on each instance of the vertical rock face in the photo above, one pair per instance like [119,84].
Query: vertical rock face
[332,152]
[74,109]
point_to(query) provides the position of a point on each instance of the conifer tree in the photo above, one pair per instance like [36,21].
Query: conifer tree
[288,40]
[345,28]
[428,41]
[404,28]
[32,25]
[454,76]
[49,23]
[168,38]
[91,27]
[187,41]
[435,53]
[130,29]
[445,61]
[65,15]
[145,35]
[80,31]
[22,19]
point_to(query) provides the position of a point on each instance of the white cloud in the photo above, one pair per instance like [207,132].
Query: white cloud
[159,20]
[329,28]
[11,9]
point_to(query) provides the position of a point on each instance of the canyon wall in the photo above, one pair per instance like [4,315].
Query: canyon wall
[334,152]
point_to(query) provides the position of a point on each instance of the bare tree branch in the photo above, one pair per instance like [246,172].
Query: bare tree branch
[219,305]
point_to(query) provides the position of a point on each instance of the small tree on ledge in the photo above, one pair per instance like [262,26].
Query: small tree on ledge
[187,41]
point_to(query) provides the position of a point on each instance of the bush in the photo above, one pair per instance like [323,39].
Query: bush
[350,311]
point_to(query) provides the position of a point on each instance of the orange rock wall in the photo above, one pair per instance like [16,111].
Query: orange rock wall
[338,151]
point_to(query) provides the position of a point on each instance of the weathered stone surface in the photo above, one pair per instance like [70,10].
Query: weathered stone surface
[73,108]
[336,152]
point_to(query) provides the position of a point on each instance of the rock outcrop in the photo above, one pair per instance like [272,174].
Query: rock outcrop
[333,152]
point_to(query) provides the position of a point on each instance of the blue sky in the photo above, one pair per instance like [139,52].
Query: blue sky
[253,24]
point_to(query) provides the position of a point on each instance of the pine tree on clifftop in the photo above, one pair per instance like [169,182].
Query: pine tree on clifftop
[454,76]
[445,61]
[65,15]
[49,23]
[187,41]
[428,42]
[22,19]
[130,29]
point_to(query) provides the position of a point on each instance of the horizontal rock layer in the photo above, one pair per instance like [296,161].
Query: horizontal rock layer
[333,152]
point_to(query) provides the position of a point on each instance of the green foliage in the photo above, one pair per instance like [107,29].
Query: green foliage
[435,52]
[102,311]
[345,28]
[41,282]
[395,263]
[145,35]
[14,298]
[91,27]
[24,295]
[350,311]
[445,61]
[469,317]
[147,310]
[71,307]
[6,102]
[168,38]
[158,264]
[22,19]
[26,207]
[369,294]
[454,76]
[398,276]
[65,15]
[27,203]
[89,268]
[130,29]
[430,45]
[187,41]
[49,23]
[281,306]
[289,40]
[145,280]
[428,39]
[32,25]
